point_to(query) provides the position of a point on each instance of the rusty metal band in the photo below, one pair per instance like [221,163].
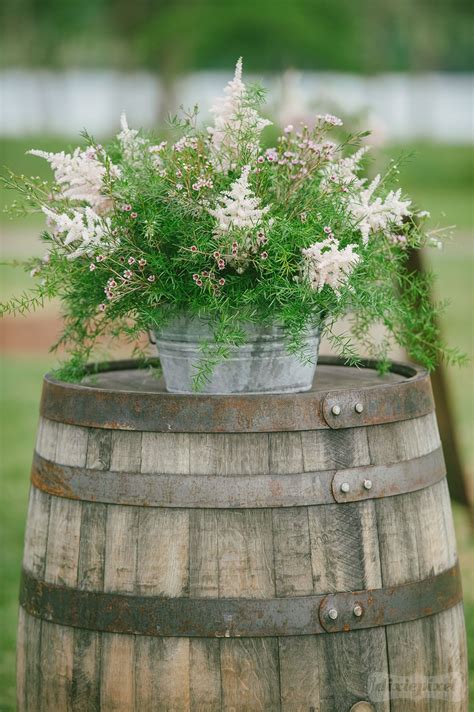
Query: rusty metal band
[96,407]
[237,491]
[216,618]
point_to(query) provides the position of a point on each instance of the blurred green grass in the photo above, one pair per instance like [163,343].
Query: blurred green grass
[440,179]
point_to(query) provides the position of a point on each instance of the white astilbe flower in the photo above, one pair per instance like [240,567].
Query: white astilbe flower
[239,207]
[344,171]
[374,214]
[80,176]
[132,145]
[237,125]
[324,263]
[82,233]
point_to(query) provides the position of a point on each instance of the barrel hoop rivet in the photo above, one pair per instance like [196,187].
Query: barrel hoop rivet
[238,617]
[236,491]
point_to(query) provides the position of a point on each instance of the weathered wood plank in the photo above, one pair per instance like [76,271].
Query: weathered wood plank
[335,449]
[428,661]
[416,534]
[305,678]
[56,667]
[203,554]
[117,684]
[29,663]
[57,642]
[250,675]
[204,675]
[163,552]
[99,449]
[162,674]
[249,668]
[344,547]
[117,680]
[36,534]
[293,575]
[403,440]
[62,552]
[71,448]
[47,438]
[92,547]
[121,549]
[165,452]
[345,556]
[229,453]
[126,454]
[286,454]
[416,541]
[86,665]
[85,692]
[245,553]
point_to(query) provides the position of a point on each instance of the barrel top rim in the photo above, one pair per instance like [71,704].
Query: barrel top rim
[403,394]
[409,371]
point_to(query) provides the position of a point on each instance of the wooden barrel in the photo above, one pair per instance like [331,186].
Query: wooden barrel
[240,553]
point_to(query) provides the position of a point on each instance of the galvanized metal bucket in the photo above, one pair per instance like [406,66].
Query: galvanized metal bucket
[261,365]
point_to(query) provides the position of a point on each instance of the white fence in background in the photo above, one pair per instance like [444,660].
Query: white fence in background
[398,106]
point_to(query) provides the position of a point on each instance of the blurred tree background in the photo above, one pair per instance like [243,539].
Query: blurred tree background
[174,36]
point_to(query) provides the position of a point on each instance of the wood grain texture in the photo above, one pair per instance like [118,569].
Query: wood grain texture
[29,663]
[91,562]
[427,658]
[417,540]
[203,554]
[117,683]
[245,551]
[229,453]
[61,567]
[36,534]
[286,455]
[344,556]
[335,449]
[120,567]
[71,448]
[344,547]
[46,441]
[62,554]
[99,449]
[57,655]
[85,689]
[250,674]
[204,675]
[86,665]
[292,552]
[404,440]
[126,451]
[162,674]
[165,452]
[117,662]
[162,552]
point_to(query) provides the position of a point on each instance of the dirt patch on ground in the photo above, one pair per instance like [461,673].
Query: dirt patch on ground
[34,334]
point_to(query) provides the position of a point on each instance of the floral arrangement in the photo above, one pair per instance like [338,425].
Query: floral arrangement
[215,222]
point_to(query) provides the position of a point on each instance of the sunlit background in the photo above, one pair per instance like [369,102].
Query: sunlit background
[402,69]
